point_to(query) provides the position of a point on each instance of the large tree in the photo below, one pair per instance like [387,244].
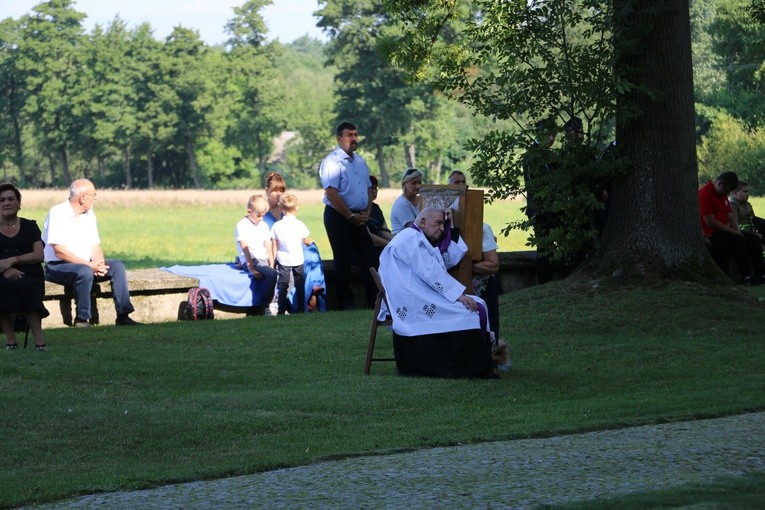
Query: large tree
[253,83]
[644,65]
[654,224]
[51,58]
[12,97]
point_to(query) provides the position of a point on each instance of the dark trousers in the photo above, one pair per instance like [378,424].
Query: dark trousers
[283,284]
[490,294]
[81,278]
[350,243]
[746,252]
[269,275]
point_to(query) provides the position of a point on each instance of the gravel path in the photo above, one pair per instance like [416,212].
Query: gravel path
[508,474]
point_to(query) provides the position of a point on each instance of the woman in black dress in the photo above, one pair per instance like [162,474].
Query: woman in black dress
[22,281]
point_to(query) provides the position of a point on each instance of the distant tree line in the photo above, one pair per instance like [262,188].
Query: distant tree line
[128,110]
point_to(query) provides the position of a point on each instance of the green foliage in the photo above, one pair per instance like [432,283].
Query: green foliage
[50,60]
[523,64]
[730,146]
[373,92]
[308,104]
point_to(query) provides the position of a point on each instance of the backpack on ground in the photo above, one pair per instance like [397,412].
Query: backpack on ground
[198,306]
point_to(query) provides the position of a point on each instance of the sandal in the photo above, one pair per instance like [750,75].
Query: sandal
[12,347]
[42,347]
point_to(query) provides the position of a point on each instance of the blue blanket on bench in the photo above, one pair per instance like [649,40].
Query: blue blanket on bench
[231,286]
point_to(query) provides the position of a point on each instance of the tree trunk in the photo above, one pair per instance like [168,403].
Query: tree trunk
[380,157]
[436,169]
[52,168]
[149,165]
[193,164]
[653,226]
[19,149]
[126,165]
[410,155]
[65,164]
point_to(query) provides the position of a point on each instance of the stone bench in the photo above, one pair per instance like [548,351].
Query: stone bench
[155,294]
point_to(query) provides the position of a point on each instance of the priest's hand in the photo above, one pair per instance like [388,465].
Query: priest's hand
[469,302]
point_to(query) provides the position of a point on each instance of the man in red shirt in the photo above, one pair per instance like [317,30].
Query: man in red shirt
[721,229]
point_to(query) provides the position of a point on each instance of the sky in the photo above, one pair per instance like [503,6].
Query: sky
[286,19]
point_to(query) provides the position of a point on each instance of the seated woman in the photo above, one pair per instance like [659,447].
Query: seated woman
[405,208]
[22,280]
[378,229]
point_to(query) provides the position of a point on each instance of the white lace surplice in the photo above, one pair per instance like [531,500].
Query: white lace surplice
[421,294]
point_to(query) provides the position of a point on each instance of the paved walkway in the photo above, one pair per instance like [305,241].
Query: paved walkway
[508,474]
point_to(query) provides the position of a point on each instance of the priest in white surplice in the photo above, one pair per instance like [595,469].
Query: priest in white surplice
[438,329]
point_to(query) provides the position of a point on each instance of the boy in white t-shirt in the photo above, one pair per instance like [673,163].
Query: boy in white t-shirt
[288,237]
[253,245]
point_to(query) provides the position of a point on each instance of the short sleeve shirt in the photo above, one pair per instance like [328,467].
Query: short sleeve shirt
[78,233]
[349,175]
[710,202]
[289,233]
[254,236]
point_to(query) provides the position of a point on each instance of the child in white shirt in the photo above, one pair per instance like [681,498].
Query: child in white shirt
[289,235]
[254,248]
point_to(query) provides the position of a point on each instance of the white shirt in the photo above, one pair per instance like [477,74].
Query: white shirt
[78,233]
[254,236]
[489,242]
[422,295]
[402,212]
[289,233]
[349,175]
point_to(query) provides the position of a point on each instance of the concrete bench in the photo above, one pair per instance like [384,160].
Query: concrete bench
[155,294]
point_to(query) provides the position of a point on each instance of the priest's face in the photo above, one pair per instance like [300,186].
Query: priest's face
[432,225]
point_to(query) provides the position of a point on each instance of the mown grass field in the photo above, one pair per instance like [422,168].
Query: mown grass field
[126,408]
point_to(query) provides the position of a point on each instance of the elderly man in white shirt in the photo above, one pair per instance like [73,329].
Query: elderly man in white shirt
[438,330]
[73,255]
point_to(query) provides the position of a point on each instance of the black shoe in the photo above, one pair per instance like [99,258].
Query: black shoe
[42,347]
[11,347]
[125,320]
[82,324]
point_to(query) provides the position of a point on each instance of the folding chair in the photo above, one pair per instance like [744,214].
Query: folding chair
[375,323]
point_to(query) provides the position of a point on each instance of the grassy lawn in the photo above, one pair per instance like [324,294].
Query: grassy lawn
[113,408]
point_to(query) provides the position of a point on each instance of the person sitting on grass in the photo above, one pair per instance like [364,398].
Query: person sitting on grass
[438,330]
[288,237]
[253,244]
